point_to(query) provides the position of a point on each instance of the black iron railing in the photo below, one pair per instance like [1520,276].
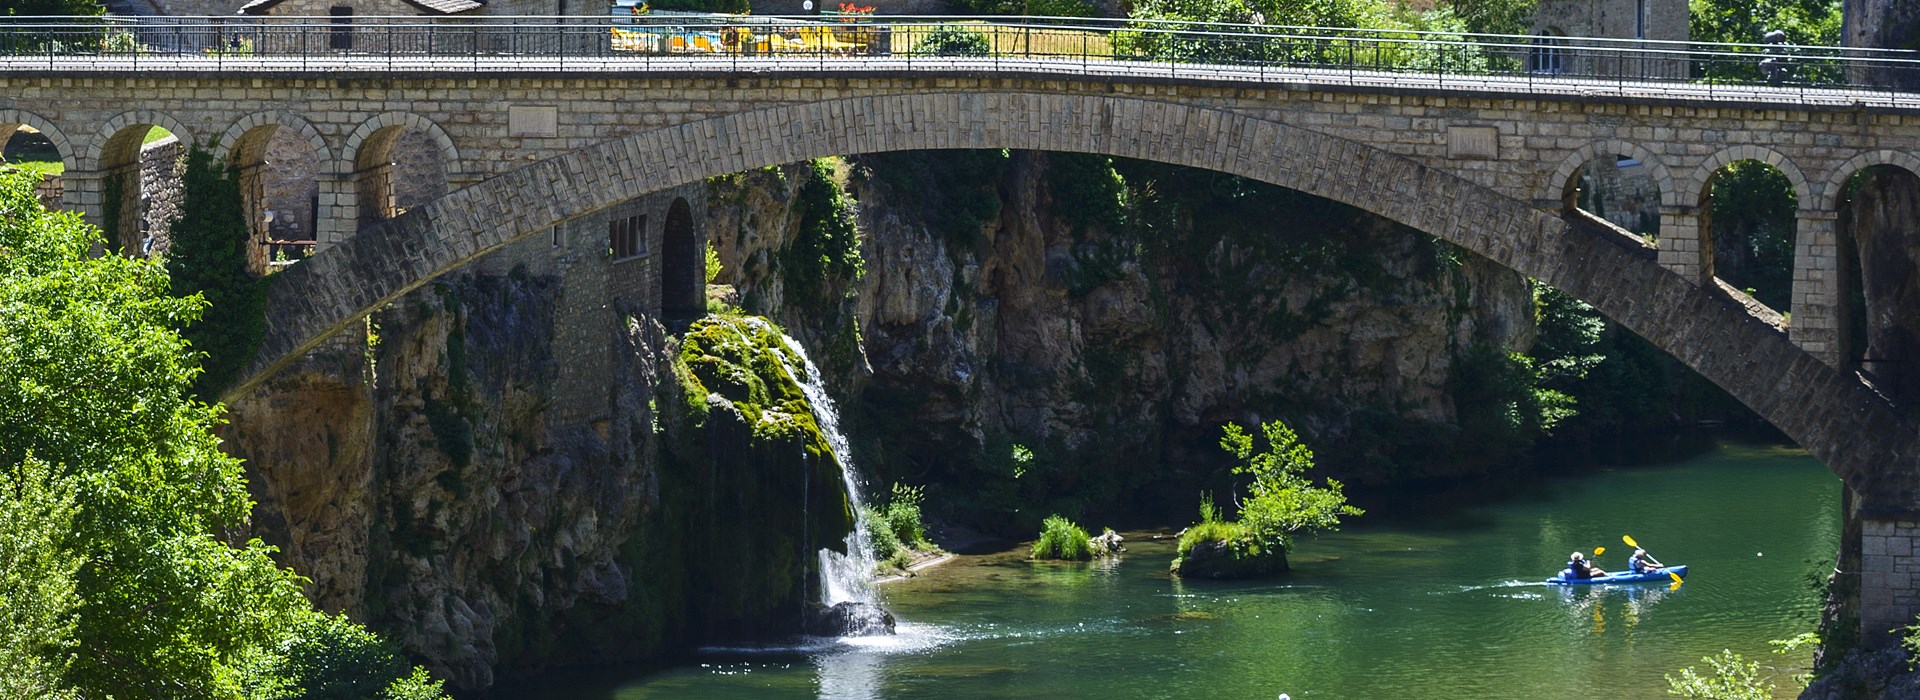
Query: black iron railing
[1053,44]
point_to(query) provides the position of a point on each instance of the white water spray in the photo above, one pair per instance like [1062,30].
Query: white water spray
[843,577]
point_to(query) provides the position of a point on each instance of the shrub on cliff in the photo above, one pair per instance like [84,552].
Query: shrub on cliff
[117,506]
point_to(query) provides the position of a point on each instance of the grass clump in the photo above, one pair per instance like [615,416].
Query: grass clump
[1060,538]
[895,530]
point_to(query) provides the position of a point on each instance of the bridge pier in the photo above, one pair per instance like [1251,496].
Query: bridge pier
[337,215]
[1889,570]
[1818,278]
[1684,246]
[82,191]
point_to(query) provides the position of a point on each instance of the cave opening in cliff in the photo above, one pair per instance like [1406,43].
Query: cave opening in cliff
[682,288]
[1879,256]
[1748,222]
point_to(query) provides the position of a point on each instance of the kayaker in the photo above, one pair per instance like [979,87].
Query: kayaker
[1578,568]
[1640,563]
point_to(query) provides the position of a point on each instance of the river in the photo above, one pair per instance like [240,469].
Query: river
[1447,607]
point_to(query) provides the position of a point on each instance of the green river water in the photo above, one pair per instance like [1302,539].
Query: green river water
[1443,608]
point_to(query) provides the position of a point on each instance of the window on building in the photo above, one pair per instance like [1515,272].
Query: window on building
[624,237]
[1545,56]
[559,236]
[340,35]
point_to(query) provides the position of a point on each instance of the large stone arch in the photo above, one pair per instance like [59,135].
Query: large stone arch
[1553,188]
[110,143]
[1856,432]
[11,119]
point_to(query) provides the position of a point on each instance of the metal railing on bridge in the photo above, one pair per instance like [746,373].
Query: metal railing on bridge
[728,43]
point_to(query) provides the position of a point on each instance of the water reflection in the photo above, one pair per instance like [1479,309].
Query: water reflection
[1589,605]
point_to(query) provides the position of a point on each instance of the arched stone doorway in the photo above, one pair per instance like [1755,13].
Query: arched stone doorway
[682,274]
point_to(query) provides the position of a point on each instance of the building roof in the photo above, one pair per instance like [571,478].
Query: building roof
[438,7]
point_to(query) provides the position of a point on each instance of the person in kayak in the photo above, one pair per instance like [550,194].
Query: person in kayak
[1578,568]
[1640,563]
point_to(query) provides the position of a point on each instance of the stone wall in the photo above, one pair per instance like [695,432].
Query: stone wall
[1889,574]
[162,163]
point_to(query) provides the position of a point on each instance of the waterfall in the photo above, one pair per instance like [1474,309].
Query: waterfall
[843,577]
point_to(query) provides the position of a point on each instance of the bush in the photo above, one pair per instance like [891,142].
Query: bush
[1733,678]
[326,657]
[902,516]
[953,41]
[1060,538]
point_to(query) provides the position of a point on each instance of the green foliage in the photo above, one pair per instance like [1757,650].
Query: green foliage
[209,258]
[1752,225]
[1283,501]
[1060,538]
[37,598]
[950,40]
[826,253]
[1030,8]
[1495,16]
[135,591]
[1730,677]
[712,258]
[1087,191]
[902,516]
[328,657]
[1806,23]
[960,188]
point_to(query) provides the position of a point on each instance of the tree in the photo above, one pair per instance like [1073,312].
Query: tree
[118,509]
[1282,500]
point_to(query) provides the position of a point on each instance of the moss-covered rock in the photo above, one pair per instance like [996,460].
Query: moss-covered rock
[751,477]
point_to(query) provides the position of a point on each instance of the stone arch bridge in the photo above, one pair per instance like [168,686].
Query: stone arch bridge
[1488,167]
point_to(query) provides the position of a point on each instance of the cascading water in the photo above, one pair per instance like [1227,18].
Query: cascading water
[844,578]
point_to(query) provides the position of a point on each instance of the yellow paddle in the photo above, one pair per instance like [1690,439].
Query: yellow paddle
[1636,545]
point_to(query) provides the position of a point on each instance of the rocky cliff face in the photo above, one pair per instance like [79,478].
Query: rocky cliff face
[1096,343]
[421,482]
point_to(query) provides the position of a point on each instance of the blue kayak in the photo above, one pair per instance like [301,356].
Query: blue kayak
[1623,577]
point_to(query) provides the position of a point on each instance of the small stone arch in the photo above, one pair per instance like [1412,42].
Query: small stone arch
[356,146]
[113,145]
[11,119]
[1836,183]
[282,201]
[1555,187]
[234,143]
[1696,187]
[368,160]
